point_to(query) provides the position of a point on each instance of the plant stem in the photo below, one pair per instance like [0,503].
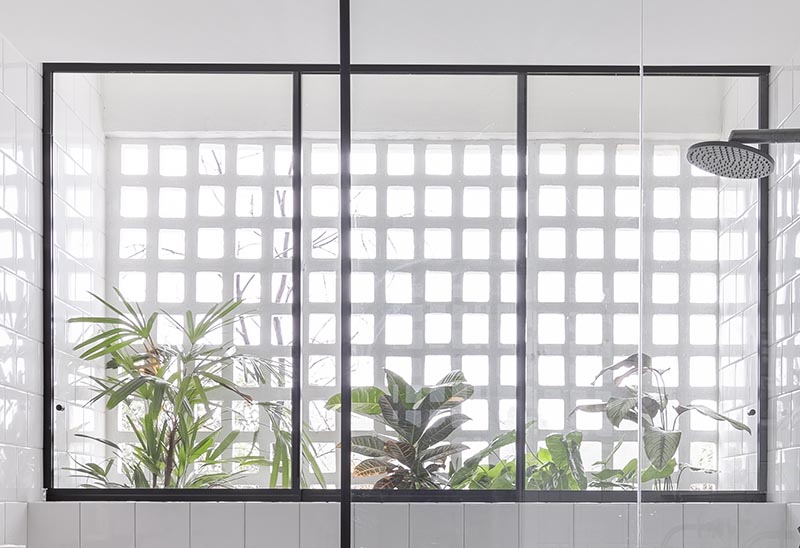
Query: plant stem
[171,442]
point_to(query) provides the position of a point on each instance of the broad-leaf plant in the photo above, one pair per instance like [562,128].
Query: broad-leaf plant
[422,422]
[660,418]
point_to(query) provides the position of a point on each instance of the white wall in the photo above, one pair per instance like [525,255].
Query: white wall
[412,31]
[21,290]
[571,32]
[784,287]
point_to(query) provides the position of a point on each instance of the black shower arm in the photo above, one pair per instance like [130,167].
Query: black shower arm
[759,136]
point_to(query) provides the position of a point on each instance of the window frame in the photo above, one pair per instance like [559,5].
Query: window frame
[344,494]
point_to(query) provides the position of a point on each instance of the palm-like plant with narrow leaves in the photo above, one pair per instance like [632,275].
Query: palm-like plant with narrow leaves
[178,441]
[660,419]
[423,422]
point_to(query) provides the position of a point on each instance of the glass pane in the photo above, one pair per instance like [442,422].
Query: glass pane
[700,280]
[433,247]
[191,213]
[321,279]
[583,268]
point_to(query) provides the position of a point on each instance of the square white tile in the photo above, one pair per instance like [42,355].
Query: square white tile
[661,525]
[15,74]
[710,525]
[380,525]
[437,525]
[17,523]
[762,525]
[319,525]
[601,525]
[491,525]
[546,525]
[163,524]
[216,524]
[54,525]
[272,523]
[792,525]
[105,524]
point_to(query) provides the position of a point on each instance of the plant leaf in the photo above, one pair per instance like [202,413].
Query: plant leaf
[708,412]
[617,409]
[372,467]
[399,389]
[660,446]
[441,430]
[122,392]
[369,446]
[442,451]
[401,451]
[653,473]
[364,398]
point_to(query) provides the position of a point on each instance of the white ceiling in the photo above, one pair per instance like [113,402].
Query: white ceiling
[411,31]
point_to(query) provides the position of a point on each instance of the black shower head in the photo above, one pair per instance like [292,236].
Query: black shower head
[734,159]
[730,159]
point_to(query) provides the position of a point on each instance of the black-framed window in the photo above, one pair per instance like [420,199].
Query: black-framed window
[329,179]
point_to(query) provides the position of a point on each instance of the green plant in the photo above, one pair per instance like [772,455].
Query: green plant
[660,420]
[557,466]
[179,443]
[416,458]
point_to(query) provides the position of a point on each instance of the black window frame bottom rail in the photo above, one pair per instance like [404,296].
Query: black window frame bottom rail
[404,496]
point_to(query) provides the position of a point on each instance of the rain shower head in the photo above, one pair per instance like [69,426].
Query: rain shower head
[730,159]
[734,159]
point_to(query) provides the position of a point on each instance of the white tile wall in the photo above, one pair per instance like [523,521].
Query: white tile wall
[784,290]
[20,286]
[21,268]
[418,525]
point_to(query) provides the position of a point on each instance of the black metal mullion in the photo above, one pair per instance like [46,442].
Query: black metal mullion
[522,270]
[297,280]
[763,297]
[345,138]
[48,315]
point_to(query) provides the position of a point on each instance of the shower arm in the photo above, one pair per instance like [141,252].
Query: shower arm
[762,136]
